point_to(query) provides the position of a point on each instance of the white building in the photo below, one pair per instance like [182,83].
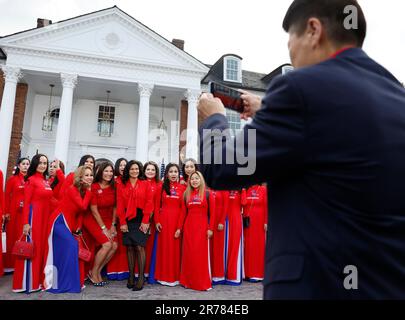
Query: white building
[115,82]
[84,57]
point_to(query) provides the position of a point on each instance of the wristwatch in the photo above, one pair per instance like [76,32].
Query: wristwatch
[114,224]
[103,227]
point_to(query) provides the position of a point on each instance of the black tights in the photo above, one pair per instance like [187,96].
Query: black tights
[139,251]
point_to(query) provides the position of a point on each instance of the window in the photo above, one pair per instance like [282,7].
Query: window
[106,115]
[232,70]
[234,121]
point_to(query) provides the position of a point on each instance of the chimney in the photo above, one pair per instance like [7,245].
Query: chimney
[178,43]
[43,22]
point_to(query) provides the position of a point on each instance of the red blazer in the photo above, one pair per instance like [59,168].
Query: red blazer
[130,198]
[72,206]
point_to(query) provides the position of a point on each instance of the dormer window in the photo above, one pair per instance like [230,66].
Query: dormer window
[232,69]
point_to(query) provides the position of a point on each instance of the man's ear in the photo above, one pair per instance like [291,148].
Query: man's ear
[315,31]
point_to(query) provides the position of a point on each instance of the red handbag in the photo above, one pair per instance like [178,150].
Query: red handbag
[23,249]
[84,252]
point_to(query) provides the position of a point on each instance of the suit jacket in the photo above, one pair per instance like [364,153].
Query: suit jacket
[330,143]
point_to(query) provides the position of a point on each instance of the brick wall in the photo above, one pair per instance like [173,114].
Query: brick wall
[18,121]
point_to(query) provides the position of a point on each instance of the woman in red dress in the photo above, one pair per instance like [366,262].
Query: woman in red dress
[189,166]
[255,210]
[28,275]
[14,201]
[134,208]
[218,240]
[56,180]
[169,198]
[152,177]
[63,271]
[117,268]
[88,161]
[101,223]
[197,224]
[233,201]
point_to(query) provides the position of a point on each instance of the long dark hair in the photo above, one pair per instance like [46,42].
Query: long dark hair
[151,163]
[117,166]
[34,165]
[84,158]
[125,176]
[99,174]
[55,179]
[183,167]
[166,181]
[17,169]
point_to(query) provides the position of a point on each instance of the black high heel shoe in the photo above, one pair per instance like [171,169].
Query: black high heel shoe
[96,284]
[138,286]
[130,285]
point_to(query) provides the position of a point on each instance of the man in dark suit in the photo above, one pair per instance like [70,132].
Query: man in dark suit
[330,143]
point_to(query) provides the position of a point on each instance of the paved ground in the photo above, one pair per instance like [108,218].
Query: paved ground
[117,290]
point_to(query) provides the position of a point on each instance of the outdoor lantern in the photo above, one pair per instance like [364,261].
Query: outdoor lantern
[162,124]
[47,119]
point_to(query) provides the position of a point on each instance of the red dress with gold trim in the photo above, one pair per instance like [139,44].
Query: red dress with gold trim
[167,270]
[195,272]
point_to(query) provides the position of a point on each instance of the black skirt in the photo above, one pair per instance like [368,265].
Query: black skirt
[134,236]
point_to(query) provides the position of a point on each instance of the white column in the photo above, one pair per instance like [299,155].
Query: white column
[11,76]
[69,82]
[142,133]
[192,124]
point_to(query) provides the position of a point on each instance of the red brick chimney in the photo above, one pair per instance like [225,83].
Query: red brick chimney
[178,43]
[43,22]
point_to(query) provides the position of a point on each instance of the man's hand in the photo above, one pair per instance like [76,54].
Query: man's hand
[251,103]
[208,105]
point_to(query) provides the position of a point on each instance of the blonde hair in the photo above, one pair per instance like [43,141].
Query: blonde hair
[79,173]
[201,188]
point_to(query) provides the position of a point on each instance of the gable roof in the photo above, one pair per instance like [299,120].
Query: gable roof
[34,31]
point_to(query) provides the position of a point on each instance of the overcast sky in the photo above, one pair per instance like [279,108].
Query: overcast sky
[211,28]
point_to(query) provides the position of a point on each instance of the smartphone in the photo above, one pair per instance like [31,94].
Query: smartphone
[231,98]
